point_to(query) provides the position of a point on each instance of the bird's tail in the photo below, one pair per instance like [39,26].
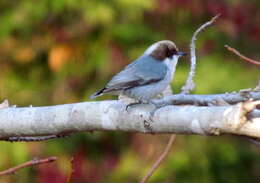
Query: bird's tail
[98,93]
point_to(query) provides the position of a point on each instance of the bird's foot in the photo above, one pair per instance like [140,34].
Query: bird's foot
[157,106]
[132,104]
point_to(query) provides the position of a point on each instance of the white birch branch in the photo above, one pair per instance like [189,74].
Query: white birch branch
[111,115]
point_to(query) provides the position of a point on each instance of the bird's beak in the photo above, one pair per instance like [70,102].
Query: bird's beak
[180,53]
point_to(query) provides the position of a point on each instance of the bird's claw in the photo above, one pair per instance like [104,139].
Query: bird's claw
[132,104]
[152,114]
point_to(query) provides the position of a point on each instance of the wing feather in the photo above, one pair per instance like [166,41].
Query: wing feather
[145,70]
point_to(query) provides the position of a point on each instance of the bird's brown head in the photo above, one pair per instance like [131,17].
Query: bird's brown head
[163,49]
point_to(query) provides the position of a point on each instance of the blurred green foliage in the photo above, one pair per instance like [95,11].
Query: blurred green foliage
[61,51]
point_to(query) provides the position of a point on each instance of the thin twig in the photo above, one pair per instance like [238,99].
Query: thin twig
[28,164]
[190,85]
[160,159]
[69,177]
[35,138]
[242,56]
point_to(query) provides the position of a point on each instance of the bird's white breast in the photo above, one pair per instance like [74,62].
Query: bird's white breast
[171,65]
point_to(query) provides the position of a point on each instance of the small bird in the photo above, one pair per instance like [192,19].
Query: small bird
[147,76]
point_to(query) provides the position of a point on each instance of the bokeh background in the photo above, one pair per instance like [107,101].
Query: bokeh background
[61,51]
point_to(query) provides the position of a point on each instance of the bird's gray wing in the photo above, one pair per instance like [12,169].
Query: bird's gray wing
[145,70]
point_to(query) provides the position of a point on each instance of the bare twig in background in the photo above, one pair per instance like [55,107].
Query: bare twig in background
[190,85]
[186,89]
[28,164]
[69,177]
[160,159]
[242,56]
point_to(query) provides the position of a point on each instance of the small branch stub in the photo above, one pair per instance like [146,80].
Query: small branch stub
[4,104]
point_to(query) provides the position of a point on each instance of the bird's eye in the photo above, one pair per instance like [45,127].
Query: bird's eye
[171,52]
[174,52]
